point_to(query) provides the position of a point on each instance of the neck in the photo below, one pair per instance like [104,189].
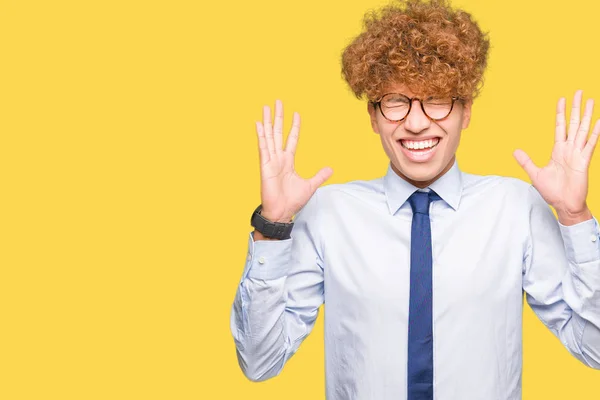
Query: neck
[424,184]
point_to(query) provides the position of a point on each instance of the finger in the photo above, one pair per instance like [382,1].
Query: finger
[278,127]
[268,128]
[292,139]
[575,115]
[584,127]
[588,150]
[263,150]
[320,177]
[561,122]
[525,162]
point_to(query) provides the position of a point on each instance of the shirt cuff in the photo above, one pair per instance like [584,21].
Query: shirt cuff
[581,241]
[267,259]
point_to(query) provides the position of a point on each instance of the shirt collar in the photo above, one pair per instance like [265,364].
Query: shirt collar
[448,187]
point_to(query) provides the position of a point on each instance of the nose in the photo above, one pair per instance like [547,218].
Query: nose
[416,120]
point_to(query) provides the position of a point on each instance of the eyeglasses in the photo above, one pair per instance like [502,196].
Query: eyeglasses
[395,106]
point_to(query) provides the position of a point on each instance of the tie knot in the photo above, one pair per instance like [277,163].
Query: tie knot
[419,201]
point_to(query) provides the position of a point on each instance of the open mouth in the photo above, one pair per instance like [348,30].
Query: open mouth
[419,151]
[419,146]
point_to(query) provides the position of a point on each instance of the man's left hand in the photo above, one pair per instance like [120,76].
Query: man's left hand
[563,183]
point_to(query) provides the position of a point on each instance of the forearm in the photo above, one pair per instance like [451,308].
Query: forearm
[562,279]
[581,287]
[258,327]
[577,334]
[590,345]
[278,297]
[259,236]
[269,319]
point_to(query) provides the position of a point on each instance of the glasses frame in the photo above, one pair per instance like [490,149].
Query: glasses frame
[410,103]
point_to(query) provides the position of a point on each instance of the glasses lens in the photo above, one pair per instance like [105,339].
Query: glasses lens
[395,106]
[437,108]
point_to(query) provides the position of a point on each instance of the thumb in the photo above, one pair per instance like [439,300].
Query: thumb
[525,162]
[320,177]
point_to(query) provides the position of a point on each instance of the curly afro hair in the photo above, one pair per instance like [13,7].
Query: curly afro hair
[426,46]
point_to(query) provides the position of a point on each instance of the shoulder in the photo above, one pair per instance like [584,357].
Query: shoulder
[336,194]
[498,186]
[328,198]
[503,194]
[352,188]
[493,182]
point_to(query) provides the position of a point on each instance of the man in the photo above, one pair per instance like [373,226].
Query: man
[423,270]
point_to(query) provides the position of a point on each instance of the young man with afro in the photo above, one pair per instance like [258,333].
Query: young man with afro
[422,270]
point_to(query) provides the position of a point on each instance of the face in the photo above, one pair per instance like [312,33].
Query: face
[420,167]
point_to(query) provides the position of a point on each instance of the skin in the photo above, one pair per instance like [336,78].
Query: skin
[417,126]
[563,182]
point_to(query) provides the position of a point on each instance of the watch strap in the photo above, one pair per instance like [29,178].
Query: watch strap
[275,230]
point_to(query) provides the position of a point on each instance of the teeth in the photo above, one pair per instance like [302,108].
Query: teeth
[421,144]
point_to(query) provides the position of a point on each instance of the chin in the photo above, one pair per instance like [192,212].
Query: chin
[419,172]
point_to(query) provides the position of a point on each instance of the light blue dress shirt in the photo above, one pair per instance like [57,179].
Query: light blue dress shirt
[493,238]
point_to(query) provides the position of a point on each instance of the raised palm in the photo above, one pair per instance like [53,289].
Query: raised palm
[283,191]
[563,182]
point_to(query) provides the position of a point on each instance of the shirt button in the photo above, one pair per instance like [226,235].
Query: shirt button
[261,260]
[249,257]
[593,238]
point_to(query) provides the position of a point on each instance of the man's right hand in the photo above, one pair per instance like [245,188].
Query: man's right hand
[283,192]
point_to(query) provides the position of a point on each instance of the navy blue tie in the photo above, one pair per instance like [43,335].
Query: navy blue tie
[420,330]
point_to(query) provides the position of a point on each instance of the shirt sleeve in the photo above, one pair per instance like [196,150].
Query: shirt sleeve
[561,278]
[278,297]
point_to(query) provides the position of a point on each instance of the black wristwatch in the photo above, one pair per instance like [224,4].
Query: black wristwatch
[274,230]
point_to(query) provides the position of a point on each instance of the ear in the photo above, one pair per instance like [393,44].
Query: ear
[373,115]
[466,113]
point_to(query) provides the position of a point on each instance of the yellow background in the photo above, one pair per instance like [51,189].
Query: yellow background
[129,170]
